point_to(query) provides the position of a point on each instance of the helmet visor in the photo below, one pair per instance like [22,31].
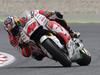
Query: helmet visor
[8,23]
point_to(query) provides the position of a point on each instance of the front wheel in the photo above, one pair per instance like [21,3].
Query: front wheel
[86,58]
[57,53]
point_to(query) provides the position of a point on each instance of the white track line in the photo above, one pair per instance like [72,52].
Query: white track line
[6,59]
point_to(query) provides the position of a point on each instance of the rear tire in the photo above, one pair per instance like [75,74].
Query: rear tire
[57,53]
[86,58]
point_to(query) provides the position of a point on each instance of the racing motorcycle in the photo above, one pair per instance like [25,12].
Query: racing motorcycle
[53,47]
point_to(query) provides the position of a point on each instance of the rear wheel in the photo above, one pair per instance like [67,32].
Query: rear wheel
[86,58]
[57,53]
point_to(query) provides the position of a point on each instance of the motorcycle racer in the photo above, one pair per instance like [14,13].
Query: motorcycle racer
[13,26]
[49,24]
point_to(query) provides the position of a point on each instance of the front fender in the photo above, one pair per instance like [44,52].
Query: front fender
[52,37]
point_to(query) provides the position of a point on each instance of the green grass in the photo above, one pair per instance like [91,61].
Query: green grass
[1,20]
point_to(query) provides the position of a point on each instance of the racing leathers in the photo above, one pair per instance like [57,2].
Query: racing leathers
[52,25]
[40,20]
[58,17]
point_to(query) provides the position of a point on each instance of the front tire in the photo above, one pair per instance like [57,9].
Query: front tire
[57,53]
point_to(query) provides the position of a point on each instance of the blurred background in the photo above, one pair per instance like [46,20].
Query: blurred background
[81,11]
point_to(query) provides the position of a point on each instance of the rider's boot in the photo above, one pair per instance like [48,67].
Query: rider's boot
[26,52]
[63,23]
[37,52]
[38,57]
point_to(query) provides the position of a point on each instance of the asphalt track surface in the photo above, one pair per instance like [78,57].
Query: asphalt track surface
[90,33]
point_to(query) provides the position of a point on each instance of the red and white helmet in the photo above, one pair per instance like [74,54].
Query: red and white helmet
[9,22]
[12,24]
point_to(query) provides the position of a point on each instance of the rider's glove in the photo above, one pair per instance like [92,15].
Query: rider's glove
[24,37]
